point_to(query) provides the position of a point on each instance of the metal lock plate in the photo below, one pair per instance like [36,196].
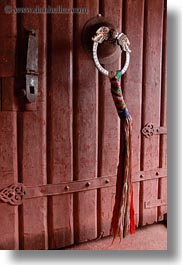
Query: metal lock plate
[32,67]
[31,87]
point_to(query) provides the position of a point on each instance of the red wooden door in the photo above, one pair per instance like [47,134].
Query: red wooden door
[64,148]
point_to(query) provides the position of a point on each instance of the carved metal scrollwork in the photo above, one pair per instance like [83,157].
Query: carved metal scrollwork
[104,33]
[148,130]
[107,34]
[13,194]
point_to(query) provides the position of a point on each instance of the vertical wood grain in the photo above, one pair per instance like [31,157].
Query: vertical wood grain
[8,128]
[9,99]
[8,37]
[151,103]
[163,138]
[60,145]
[32,143]
[133,28]
[0,94]
[108,144]
[85,100]
[8,175]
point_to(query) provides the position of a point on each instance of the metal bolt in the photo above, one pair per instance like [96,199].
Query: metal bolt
[88,184]
[141,176]
[107,181]
[66,188]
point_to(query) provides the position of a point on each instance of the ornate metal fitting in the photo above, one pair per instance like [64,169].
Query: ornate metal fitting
[123,42]
[13,194]
[106,34]
[148,130]
[102,34]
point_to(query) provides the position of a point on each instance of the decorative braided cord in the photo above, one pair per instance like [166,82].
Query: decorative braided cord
[123,221]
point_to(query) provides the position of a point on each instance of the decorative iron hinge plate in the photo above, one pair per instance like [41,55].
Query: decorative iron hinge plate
[149,174]
[149,130]
[15,194]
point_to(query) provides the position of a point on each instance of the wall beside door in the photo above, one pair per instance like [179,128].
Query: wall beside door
[64,148]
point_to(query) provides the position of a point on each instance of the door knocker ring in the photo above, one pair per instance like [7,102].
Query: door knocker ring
[106,34]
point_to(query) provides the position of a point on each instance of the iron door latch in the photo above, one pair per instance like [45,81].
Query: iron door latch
[31,91]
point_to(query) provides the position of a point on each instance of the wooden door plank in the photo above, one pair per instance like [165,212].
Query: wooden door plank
[7,38]
[163,139]
[8,128]
[8,97]
[151,103]
[85,100]
[60,144]
[8,175]
[32,142]
[8,19]
[133,28]
[108,127]
[0,94]
[8,35]
[162,195]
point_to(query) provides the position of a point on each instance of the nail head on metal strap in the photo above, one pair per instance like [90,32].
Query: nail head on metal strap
[88,184]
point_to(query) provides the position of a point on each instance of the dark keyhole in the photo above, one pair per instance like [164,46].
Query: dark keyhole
[32,90]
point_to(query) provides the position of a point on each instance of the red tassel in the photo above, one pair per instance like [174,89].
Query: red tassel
[123,221]
[132,214]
